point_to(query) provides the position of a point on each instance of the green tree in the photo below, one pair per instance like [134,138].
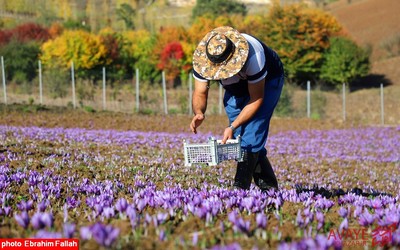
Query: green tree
[20,60]
[344,61]
[215,8]
[127,14]
[139,45]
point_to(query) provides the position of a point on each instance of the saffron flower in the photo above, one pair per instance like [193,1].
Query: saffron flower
[22,219]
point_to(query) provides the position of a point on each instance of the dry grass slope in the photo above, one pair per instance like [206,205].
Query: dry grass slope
[371,22]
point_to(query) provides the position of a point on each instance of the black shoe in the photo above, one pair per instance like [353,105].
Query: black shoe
[264,175]
[245,170]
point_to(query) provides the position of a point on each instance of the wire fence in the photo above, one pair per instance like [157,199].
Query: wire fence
[134,97]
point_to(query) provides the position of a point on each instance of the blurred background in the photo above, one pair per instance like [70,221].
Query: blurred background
[341,57]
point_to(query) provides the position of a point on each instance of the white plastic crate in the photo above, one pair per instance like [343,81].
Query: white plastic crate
[212,152]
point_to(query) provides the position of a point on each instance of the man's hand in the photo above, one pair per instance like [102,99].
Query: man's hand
[196,122]
[228,134]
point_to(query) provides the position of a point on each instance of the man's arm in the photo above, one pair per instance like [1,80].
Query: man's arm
[199,104]
[256,91]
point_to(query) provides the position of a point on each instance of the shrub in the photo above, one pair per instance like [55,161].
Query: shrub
[20,60]
[344,62]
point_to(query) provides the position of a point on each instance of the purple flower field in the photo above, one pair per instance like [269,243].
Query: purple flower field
[130,190]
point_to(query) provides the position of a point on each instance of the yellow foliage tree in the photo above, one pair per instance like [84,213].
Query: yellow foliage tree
[139,46]
[86,50]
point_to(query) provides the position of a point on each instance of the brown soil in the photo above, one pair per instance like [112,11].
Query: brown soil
[68,118]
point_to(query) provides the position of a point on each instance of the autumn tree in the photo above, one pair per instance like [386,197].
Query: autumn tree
[30,31]
[86,50]
[171,61]
[139,45]
[118,68]
[300,35]
[166,42]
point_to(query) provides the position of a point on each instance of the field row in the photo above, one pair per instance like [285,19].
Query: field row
[130,190]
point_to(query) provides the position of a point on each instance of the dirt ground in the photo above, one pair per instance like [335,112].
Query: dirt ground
[69,118]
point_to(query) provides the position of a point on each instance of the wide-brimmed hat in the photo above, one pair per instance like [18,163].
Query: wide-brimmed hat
[220,54]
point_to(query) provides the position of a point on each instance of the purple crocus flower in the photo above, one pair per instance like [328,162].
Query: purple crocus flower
[162,235]
[41,207]
[121,205]
[299,219]
[344,225]
[195,238]
[108,212]
[7,210]
[131,213]
[357,211]
[396,238]
[68,230]
[105,235]
[321,219]
[85,233]
[22,219]
[43,234]
[343,212]
[238,222]
[261,220]
[72,202]
[41,220]
[161,218]
[366,218]
[25,205]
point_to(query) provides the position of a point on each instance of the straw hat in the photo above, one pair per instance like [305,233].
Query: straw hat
[220,54]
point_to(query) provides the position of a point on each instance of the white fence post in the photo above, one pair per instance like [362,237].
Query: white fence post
[40,83]
[344,101]
[190,94]
[382,107]
[308,99]
[4,80]
[164,93]
[104,88]
[73,84]
[137,90]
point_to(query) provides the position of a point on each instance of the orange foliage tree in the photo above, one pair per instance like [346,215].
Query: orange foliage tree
[168,52]
[30,31]
[300,35]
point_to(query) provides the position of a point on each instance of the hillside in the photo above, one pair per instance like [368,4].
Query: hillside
[371,22]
